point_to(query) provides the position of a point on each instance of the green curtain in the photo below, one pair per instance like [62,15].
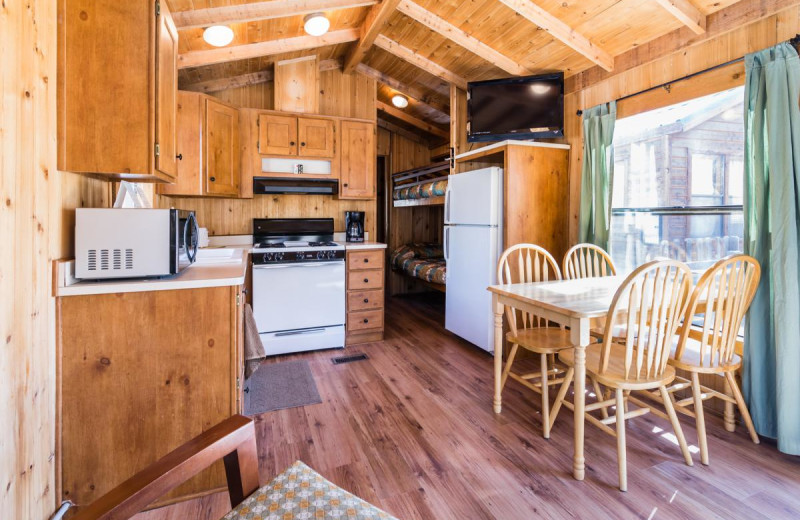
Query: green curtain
[771,376]
[597,174]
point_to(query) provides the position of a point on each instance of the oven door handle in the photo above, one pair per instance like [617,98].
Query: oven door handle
[302,264]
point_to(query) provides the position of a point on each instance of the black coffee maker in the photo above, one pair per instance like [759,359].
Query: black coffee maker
[354,226]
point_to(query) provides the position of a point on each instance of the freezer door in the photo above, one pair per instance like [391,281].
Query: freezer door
[471,267]
[474,198]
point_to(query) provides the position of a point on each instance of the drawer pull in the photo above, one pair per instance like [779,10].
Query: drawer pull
[366,320]
[366,280]
[366,260]
[366,300]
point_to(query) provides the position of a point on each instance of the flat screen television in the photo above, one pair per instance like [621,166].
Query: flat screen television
[516,108]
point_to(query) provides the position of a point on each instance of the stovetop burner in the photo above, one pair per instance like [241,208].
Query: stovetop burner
[284,245]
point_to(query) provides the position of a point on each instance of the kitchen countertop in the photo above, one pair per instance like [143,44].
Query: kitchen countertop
[206,273]
[352,246]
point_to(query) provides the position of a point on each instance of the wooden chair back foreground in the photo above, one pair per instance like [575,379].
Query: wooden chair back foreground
[233,440]
[587,261]
[723,294]
[525,263]
[650,302]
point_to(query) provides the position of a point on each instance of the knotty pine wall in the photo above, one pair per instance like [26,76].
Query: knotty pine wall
[344,95]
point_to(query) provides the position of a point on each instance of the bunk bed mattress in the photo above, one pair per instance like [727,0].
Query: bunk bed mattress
[423,261]
[422,191]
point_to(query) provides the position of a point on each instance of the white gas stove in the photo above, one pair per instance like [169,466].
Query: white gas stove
[298,285]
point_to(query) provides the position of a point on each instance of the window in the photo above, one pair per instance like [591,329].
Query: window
[678,183]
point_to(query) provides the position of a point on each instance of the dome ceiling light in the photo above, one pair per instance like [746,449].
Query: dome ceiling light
[316,24]
[218,35]
[399,101]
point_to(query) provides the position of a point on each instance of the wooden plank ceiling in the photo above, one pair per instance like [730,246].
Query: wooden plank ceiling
[420,47]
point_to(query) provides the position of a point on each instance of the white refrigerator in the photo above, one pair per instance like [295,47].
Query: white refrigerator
[473,242]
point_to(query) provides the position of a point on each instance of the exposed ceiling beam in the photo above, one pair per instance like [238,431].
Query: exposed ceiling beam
[244,80]
[561,31]
[420,61]
[687,13]
[260,11]
[411,120]
[450,31]
[267,48]
[376,19]
[401,87]
[399,130]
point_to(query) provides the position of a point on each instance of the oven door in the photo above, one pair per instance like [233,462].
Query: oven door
[291,297]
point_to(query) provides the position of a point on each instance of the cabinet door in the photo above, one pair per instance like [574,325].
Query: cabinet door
[221,143]
[189,129]
[357,172]
[277,135]
[316,137]
[166,92]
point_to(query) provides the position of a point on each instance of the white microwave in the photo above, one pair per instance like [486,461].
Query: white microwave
[133,243]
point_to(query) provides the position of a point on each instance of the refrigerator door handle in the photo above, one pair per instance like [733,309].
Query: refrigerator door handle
[446,244]
[447,204]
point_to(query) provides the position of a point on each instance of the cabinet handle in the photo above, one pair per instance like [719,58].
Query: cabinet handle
[366,260]
[179,156]
[302,144]
[212,179]
[345,184]
[291,143]
[366,300]
[366,280]
[366,320]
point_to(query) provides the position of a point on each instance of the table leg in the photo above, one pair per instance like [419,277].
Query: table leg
[579,330]
[498,352]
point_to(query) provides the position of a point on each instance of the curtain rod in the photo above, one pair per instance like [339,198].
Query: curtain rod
[668,84]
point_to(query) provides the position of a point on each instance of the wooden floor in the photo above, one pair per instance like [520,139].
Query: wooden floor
[412,430]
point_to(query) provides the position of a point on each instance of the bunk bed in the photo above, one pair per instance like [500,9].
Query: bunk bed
[421,259]
[424,186]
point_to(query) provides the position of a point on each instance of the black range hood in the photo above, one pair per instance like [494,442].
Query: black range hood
[270,185]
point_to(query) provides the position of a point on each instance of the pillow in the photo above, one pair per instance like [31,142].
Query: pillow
[427,250]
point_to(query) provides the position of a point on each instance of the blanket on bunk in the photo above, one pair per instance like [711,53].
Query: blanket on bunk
[423,261]
[421,191]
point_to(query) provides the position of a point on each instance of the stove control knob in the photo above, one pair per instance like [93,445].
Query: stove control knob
[320,255]
[278,256]
[267,257]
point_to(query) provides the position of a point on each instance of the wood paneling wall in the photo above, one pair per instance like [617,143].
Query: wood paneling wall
[30,191]
[340,95]
[410,224]
[725,47]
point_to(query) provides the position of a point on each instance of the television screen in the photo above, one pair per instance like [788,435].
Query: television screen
[516,108]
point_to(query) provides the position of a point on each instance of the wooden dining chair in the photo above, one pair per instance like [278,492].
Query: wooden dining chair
[528,263]
[652,300]
[708,346]
[587,261]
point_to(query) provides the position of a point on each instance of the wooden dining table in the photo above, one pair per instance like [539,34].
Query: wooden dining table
[572,303]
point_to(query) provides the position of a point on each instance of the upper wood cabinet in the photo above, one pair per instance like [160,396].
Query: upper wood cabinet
[221,149]
[295,136]
[357,170]
[117,83]
[316,137]
[277,135]
[208,148]
[296,85]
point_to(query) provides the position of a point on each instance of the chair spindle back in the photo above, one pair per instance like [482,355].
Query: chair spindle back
[587,261]
[723,294]
[526,263]
[651,302]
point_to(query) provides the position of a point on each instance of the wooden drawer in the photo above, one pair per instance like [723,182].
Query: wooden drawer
[364,320]
[365,259]
[364,300]
[359,280]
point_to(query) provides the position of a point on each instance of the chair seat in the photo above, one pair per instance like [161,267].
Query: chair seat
[542,340]
[690,360]
[301,492]
[614,376]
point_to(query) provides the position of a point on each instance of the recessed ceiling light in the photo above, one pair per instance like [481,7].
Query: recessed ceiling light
[316,24]
[399,101]
[218,35]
